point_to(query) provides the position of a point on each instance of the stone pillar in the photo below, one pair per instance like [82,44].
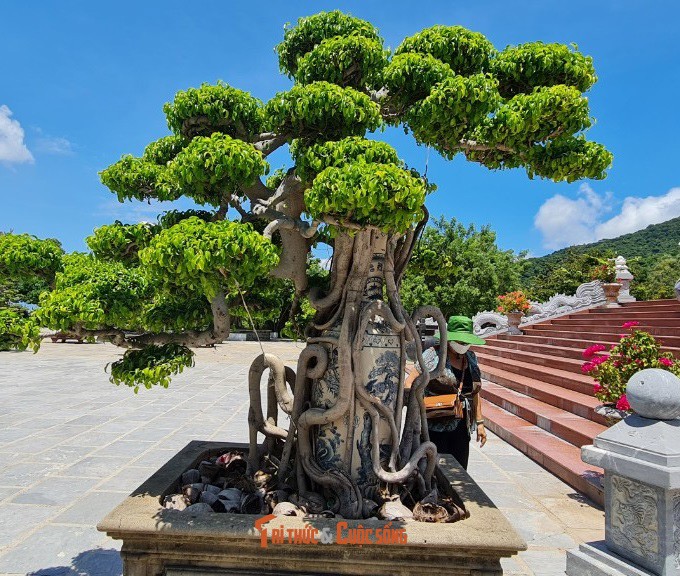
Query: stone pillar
[641,459]
[624,277]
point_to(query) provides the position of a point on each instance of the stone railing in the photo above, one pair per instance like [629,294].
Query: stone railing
[588,295]
[640,457]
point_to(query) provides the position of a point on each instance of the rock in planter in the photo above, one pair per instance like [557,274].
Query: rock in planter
[229,500]
[176,502]
[395,510]
[209,498]
[209,470]
[191,477]
[193,492]
[198,508]
[287,509]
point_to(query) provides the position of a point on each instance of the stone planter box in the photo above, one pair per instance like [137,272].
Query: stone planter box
[158,541]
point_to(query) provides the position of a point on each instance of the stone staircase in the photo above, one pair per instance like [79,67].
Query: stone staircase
[538,400]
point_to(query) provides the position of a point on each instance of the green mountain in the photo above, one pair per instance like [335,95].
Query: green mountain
[653,254]
[651,242]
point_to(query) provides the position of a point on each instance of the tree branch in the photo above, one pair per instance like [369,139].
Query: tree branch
[218,333]
[283,222]
[281,194]
[473,145]
[267,142]
[257,191]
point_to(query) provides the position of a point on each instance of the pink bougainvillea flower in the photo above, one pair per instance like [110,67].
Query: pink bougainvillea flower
[630,324]
[622,404]
[597,388]
[587,367]
[599,360]
[589,352]
[666,361]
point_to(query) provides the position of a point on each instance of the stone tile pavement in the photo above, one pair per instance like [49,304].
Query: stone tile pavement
[72,446]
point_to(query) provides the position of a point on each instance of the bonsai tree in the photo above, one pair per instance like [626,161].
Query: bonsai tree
[160,290]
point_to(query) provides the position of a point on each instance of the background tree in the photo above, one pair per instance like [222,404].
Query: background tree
[159,291]
[461,270]
[655,279]
[542,279]
[28,266]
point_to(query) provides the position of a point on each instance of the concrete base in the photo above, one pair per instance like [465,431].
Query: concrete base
[595,559]
[158,541]
[626,299]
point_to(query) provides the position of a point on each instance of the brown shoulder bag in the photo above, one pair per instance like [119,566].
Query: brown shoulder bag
[446,405]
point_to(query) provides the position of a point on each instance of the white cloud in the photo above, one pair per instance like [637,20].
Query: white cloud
[12,147]
[638,213]
[54,145]
[564,221]
[133,212]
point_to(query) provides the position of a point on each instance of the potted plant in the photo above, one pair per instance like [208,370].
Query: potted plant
[611,371]
[605,272]
[514,305]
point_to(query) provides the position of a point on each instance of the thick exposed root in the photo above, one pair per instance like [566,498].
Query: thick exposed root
[256,420]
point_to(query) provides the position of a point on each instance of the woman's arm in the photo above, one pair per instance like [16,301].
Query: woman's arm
[479,418]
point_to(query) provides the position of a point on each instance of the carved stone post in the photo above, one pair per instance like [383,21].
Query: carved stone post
[641,459]
[624,277]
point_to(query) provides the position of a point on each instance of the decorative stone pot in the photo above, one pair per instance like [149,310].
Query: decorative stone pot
[158,541]
[377,365]
[611,292]
[514,318]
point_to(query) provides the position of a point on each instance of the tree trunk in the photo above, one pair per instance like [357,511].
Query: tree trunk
[352,450]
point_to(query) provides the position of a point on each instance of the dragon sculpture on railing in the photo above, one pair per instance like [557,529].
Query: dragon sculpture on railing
[587,295]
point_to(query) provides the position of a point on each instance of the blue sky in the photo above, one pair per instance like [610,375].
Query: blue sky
[82,83]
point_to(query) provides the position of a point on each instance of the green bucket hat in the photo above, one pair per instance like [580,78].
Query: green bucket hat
[459,328]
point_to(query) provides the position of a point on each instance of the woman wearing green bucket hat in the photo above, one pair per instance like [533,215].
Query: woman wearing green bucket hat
[462,376]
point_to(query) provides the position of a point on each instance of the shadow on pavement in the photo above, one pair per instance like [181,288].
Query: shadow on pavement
[96,562]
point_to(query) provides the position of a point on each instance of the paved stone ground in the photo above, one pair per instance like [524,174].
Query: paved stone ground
[72,446]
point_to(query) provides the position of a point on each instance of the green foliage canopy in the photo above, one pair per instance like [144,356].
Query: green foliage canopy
[153,365]
[322,111]
[363,194]
[311,31]
[25,256]
[209,256]
[347,61]
[220,108]
[210,165]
